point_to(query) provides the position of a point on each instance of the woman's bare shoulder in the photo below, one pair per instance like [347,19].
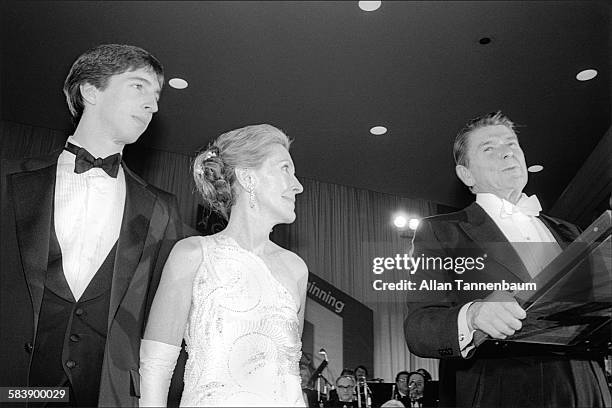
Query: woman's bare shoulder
[292,260]
[185,257]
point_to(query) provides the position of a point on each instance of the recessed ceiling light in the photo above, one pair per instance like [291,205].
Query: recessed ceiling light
[178,83]
[586,75]
[369,5]
[400,221]
[535,168]
[378,130]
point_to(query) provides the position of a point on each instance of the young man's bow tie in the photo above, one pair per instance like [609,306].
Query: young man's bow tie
[85,161]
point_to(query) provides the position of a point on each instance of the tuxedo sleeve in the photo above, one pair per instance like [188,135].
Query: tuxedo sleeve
[175,230]
[430,326]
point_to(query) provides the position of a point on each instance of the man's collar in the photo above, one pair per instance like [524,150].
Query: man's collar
[72,140]
[497,207]
[490,202]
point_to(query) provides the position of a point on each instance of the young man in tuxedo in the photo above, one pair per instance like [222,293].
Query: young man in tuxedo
[516,241]
[84,239]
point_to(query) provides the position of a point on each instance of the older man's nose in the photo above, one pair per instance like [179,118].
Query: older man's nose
[506,152]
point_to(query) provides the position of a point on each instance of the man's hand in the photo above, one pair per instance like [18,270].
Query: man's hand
[498,315]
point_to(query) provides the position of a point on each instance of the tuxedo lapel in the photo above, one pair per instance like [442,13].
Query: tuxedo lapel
[139,204]
[483,231]
[562,233]
[33,193]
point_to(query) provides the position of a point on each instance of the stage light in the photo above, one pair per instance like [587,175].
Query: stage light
[413,224]
[400,221]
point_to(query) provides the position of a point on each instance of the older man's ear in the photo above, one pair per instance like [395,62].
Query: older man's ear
[465,175]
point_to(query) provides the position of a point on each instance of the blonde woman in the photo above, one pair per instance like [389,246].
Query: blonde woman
[236,297]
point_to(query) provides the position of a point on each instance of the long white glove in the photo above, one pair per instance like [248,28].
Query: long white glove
[157,362]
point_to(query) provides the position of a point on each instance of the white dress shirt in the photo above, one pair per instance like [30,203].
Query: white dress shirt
[88,212]
[522,231]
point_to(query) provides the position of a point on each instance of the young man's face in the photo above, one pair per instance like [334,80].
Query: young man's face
[125,107]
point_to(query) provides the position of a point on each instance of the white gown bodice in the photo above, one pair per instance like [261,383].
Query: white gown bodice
[242,334]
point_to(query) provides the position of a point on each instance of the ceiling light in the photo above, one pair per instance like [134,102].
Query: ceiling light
[535,168]
[378,130]
[178,83]
[586,75]
[369,5]
[400,221]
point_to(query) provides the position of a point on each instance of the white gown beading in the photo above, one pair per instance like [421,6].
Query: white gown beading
[242,334]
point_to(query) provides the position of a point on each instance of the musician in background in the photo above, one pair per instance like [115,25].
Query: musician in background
[401,388]
[316,389]
[410,389]
[430,393]
[416,389]
[345,387]
[361,373]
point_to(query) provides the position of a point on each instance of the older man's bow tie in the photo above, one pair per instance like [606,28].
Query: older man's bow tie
[526,205]
[85,161]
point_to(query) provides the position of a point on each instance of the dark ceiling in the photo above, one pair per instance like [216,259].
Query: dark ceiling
[325,72]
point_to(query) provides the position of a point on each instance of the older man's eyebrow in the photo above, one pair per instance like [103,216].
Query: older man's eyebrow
[484,144]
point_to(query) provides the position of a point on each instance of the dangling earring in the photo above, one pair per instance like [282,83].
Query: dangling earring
[251,190]
[252,199]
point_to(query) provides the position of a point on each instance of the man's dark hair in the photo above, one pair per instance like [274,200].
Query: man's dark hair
[362,367]
[460,147]
[425,374]
[397,376]
[98,64]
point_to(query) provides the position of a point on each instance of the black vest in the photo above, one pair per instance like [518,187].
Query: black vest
[71,335]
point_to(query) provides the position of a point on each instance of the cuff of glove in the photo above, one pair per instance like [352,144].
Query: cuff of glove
[157,361]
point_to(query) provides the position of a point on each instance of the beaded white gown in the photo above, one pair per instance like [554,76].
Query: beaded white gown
[242,334]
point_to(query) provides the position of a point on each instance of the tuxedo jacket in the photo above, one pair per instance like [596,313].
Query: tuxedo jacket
[149,229]
[497,373]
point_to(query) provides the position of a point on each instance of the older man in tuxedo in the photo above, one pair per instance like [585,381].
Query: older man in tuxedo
[84,240]
[506,229]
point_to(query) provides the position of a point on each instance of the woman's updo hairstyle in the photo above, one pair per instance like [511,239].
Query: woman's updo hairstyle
[213,169]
